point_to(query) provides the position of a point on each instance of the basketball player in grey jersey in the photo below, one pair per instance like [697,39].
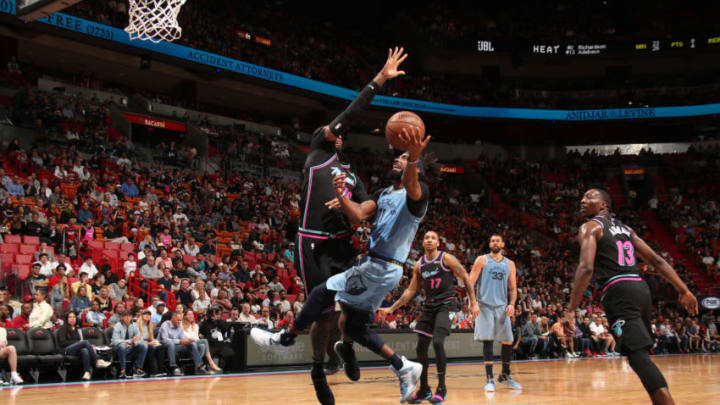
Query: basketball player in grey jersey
[496,289]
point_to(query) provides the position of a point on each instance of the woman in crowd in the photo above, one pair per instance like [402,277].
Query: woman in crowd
[70,341]
[80,302]
[104,299]
[155,358]
[60,293]
[192,331]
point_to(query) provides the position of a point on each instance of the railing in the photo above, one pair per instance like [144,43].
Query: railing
[139,285]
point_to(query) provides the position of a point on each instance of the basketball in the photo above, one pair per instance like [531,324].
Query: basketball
[395,125]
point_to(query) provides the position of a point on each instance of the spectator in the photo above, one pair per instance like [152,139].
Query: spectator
[218,334]
[127,344]
[156,354]
[265,318]
[88,267]
[129,265]
[9,352]
[70,341]
[173,337]
[531,336]
[116,317]
[118,291]
[192,332]
[42,312]
[36,281]
[95,316]
[81,302]
[246,316]
[22,321]
[160,310]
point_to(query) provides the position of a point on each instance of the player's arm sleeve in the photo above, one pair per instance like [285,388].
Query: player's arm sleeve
[342,123]
[418,207]
[360,194]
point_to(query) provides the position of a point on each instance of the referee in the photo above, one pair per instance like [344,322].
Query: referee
[324,243]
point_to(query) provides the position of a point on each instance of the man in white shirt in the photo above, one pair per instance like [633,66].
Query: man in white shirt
[89,268]
[275,285]
[62,259]
[46,267]
[246,316]
[285,304]
[42,312]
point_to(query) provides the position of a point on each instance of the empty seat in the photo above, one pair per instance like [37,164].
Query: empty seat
[112,246]
[17,338]
[41,343]
[12,239]
[10,248]
[23,259]
[95,244]
[28,249]
[7,260]
[95,336]
[31,240]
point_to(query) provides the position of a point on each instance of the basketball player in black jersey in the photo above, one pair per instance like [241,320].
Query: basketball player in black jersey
[324,243]
[437,271]
[608,251]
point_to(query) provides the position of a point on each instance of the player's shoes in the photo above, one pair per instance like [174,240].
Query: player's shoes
[408,375]
[424,394]
[322,390]
[440,396]
[346,352]
[277,342]
[490,386]
[509,381]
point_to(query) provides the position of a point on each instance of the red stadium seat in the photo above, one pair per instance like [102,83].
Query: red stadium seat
[10,248]
[95,244]
[7,259]
[23,271]
[127,247]
[23,259]
[31,240]
[28,249]
[188,259]
[112,246]
[12,239]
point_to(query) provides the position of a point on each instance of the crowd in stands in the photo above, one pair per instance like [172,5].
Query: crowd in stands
[93,235]
[310,46]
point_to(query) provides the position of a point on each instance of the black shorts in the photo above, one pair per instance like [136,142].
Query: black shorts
[434,321]
[627,305]
[316,259]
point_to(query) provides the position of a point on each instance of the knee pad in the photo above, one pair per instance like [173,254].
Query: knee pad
[650,376]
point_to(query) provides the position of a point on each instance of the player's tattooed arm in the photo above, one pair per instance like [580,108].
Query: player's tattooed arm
[355,212]
[407,294]
[588,236]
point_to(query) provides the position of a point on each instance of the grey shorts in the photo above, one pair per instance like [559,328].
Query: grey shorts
[493,324]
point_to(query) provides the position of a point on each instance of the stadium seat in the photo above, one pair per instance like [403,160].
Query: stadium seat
[112,246]
[31,240]
[95,244]
[126,247]
[23,271]
[41,343]
[28,249]
[17,338]
[7,260]
[12,239]
[23,259]
[10,248]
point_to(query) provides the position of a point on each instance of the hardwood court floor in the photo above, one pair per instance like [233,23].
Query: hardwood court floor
[693,379]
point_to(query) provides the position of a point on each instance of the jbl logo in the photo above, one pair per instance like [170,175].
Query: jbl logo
[485,46]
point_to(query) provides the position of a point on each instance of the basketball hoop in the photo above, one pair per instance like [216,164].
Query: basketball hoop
[154,20]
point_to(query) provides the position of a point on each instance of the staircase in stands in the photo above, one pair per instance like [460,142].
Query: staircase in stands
[662,236]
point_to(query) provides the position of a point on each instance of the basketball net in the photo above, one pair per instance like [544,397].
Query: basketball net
[154,20]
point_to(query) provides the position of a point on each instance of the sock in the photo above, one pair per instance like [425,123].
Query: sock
[14,373]
[506,358]
[488,355]
[440,359]
[396,362]
[441,379]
